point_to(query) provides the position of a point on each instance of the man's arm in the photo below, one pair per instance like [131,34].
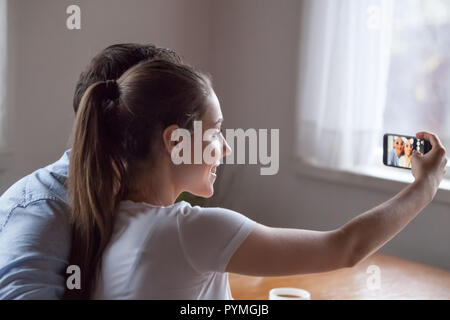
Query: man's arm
[34,248]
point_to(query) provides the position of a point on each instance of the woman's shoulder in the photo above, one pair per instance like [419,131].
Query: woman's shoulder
[187,208]
[129,208]
[182,207]
[185,212]
[197,215]
[140,204]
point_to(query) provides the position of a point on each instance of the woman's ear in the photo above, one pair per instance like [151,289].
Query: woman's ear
[167,135]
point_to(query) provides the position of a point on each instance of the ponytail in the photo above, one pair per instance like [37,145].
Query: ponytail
[95,182]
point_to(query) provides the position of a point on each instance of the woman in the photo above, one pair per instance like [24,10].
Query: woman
[132,241]
[405,159]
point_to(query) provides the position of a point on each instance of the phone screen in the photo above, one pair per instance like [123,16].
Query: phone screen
[398,149]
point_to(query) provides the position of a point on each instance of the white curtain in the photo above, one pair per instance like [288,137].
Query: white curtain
[344,62]
[3,72]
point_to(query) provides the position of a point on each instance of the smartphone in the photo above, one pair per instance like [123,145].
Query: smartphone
[397,149]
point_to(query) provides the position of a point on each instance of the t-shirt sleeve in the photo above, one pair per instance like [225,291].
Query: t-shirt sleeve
[210,236]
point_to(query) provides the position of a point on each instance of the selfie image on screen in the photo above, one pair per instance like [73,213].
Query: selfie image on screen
[400,150]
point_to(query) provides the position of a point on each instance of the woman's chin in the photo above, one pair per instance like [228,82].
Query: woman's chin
[209,186]
[206,192]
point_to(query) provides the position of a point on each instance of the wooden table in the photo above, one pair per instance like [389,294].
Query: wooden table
[398,279]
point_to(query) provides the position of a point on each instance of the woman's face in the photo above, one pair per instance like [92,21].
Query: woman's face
[198,179]
[408,147]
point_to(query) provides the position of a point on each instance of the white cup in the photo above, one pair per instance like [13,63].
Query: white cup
[289,294]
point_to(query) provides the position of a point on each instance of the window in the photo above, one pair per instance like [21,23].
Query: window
[368,67]
[418,94]
[418,84]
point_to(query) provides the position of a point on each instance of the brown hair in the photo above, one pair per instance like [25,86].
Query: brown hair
[118,125]
[114,60]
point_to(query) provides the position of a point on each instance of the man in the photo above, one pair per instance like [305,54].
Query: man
[35,232]
[396,152]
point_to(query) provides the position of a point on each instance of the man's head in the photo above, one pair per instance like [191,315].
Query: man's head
[113,61]
[399,145]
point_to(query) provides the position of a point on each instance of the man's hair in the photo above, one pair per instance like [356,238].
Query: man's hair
[113,61]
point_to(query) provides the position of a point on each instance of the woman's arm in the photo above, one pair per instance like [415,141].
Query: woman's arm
[279,251]
[371,230]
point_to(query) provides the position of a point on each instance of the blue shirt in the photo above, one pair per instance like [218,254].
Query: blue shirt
[35,234]
[392,158]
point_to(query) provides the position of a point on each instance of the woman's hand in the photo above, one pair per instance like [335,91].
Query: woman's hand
[430,168]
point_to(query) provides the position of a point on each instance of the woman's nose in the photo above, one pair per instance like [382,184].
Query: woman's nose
[226,150]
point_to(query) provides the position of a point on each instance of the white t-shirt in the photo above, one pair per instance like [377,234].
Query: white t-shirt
[173,252]
[402,162]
